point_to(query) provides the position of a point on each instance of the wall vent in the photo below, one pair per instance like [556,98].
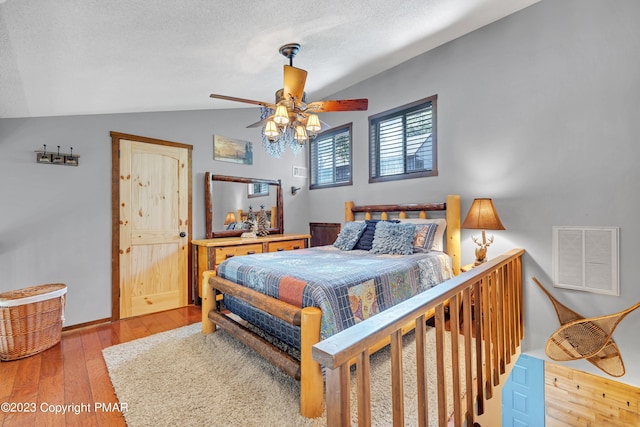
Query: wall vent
[299,172]
[586,259]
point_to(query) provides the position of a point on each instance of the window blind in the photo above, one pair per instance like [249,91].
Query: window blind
[402,142]
[330,158]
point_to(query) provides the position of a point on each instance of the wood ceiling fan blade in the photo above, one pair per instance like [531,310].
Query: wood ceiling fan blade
[260,123]
[338,105]
[246,101]
[294,81]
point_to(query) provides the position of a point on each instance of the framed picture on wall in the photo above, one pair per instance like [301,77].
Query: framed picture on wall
[232,150]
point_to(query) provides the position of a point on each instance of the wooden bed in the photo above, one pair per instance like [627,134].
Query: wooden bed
[308,319]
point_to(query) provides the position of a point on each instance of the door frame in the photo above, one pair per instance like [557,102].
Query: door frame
[115,214]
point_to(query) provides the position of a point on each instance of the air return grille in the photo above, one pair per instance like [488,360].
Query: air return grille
[586,259]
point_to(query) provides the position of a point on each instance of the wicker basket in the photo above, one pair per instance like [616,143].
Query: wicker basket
[31,320]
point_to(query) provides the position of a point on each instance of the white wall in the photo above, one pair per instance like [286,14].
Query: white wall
[538,111]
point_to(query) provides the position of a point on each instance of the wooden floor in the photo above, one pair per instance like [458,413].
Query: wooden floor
[72,376]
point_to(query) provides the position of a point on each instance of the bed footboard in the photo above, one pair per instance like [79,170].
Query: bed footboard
[307,370]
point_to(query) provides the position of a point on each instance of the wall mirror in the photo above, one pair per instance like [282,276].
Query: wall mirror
[228,198]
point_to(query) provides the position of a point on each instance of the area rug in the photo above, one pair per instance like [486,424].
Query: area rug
[182,377]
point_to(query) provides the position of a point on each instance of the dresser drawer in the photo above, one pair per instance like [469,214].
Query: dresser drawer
[230,251]
[287,245]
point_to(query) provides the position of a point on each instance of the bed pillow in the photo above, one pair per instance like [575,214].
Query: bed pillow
[425,234]
[438,239]
[393,238]
[366,240]
[349,235]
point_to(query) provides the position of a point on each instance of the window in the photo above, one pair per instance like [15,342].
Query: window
[257,189]
[330,158]
[402,142]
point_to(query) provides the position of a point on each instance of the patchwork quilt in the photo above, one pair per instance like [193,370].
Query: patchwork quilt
[348,286]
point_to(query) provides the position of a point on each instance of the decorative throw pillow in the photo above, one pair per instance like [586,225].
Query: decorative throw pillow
[349,235]
[438,240]
[366,240]
[392,238]
[425,234]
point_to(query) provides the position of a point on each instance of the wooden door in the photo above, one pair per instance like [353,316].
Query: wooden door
[154,200]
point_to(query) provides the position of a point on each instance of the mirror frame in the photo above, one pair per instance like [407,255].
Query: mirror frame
[208,204]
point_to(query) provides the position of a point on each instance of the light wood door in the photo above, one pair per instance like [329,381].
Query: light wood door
[154,193]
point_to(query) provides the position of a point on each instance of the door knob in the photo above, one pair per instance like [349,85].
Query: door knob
[183,234]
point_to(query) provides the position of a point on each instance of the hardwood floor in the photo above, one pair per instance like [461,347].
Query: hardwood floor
[68,384]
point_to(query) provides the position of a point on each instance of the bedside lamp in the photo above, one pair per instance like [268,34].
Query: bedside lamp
[230,218]
[482,216]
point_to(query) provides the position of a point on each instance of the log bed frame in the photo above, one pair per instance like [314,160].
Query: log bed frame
[308,371]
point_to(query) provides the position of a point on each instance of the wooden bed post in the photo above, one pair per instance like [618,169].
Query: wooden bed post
[453,231]
[348,213]
[208,303]
[311,380]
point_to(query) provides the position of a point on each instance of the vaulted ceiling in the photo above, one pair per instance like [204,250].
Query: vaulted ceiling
[69,57]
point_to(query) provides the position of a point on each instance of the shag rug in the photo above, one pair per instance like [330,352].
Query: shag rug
[181,377]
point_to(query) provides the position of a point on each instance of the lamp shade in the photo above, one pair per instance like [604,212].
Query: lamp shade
[300,134]
[230,218]
[313,123]
[271,130]
[482,216]
[282,115]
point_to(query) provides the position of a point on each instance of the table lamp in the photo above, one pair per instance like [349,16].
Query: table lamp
[482,216]
[230,218]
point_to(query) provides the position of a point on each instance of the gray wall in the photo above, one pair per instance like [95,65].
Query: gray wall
[537,111]
[55,221]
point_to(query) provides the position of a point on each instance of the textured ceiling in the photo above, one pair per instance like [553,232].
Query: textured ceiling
[68,57]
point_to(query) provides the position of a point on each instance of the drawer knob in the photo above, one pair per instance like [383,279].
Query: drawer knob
[251,252]
[280,249]
[229,256]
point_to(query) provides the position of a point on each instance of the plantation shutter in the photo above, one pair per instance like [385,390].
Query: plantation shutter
[330,158]
[402,142]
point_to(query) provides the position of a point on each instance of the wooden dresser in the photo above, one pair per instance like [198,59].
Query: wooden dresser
[208,253]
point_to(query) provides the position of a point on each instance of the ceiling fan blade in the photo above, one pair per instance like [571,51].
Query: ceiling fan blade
[260,123]
[294,80]
[338,105]
[247,101]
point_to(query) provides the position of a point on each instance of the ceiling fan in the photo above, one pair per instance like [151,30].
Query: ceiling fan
[291,110]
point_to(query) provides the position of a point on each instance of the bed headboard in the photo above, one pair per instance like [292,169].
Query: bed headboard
[452,214]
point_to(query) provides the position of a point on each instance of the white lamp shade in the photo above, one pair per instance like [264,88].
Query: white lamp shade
[270,129]
[282,115]
[313,123]
[300,135]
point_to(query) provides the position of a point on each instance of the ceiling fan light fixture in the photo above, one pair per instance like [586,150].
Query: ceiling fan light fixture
[290,121]
[271,130]
[313,124]
[282,115]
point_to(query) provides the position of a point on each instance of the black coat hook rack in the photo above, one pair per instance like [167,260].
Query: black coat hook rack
[56,158]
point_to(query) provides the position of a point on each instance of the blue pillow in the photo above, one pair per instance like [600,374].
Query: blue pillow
[394,239]
[366,240]
[349,235]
